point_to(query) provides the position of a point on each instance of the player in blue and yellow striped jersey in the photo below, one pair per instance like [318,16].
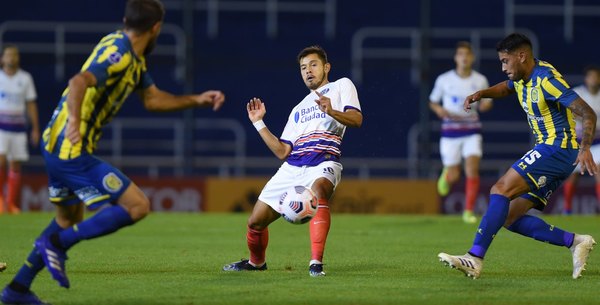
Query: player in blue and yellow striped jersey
[549,104]
[115,69]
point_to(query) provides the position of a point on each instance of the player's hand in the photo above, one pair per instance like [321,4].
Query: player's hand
[586,162]
[34,137]
[256,109]
[323,102]
[471,99]
[215,98]
[72,132]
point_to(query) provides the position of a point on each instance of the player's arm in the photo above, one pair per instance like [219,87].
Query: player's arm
[32,114]
[588,117]
[256,111]
[157,100]
[485,105]
[350,117]
[497,91]
[438,110]
[78,84]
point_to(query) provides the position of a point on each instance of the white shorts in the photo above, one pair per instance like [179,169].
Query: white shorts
[452,149]
[595,150]
[289,175]
[14,145]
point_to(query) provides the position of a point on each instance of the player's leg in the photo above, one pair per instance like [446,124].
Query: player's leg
[450,151]
[319,225]
[472,154]
[2,179]
[18,290]
[13,189]
[536,228]
[257,238]
[509,186]
[568,192]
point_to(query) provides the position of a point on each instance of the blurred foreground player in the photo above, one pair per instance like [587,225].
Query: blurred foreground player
[77,178]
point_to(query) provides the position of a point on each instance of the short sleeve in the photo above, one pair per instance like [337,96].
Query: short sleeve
[510,84]
[437,92]
[556,89]
[30,92]
[349,95]
[146,80]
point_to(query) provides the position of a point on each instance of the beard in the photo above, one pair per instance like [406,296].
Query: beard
[316,85]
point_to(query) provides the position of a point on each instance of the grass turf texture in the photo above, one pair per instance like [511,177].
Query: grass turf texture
[374,259]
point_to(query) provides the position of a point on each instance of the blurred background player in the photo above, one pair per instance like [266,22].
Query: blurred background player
[116,68]
[549,104]
[310,144]
[17,108]
[589,92]
[461,131]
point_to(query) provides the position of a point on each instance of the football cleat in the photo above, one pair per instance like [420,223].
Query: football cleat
[244,265]
[468,264]
[469,217]
[54,259]
[581,248]
[10,296]
[442,184]
[316,270]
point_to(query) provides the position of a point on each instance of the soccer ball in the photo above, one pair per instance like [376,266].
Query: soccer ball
[298,205]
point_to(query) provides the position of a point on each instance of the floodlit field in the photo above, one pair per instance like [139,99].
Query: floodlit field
[374,259]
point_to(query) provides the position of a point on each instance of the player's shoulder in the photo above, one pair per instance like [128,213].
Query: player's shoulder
[477,75]
[343,81]
[545,69]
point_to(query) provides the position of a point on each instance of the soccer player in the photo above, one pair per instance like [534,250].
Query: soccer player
[549,104]
[17,105]
[116,67]
[589,92]
[310,144]
[461,131]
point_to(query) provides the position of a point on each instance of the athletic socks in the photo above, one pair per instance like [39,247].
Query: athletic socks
[106,221]
[257,244]
[319,228]
[471,192]
[34,264]
[491,223]
[13,192]
[569,190]
[538,229]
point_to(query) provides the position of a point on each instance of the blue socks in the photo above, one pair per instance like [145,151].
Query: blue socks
[491,223]
[538,229]
[33,264]
[106,221]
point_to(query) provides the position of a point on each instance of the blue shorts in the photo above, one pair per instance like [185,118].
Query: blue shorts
[544,168]
[84,179]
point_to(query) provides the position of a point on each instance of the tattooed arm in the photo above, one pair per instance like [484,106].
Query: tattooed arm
[580,108]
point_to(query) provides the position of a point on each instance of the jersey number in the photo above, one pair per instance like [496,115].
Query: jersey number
[532,157]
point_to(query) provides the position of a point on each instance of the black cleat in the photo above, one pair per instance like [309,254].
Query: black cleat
[316,270]
[243,265]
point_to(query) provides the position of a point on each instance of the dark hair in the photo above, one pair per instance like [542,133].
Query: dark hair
[513,42]
[316,49]
[464,44]
[591,68]
[142,15]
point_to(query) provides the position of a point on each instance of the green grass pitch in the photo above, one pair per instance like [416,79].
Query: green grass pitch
[370,259]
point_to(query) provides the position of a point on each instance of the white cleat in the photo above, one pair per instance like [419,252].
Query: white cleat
[581,248]
[468,264]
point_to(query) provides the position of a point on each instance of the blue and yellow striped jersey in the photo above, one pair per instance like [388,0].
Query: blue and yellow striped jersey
[545,98]
[118,71]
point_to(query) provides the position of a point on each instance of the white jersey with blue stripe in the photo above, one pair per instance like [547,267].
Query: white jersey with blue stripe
[314,136]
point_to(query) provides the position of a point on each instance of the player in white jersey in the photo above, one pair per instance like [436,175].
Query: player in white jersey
[589,92]
[310,144]
[17,108]
[461,131]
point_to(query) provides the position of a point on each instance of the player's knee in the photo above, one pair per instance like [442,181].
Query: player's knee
[256,225]
[499,189]
[139,209]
